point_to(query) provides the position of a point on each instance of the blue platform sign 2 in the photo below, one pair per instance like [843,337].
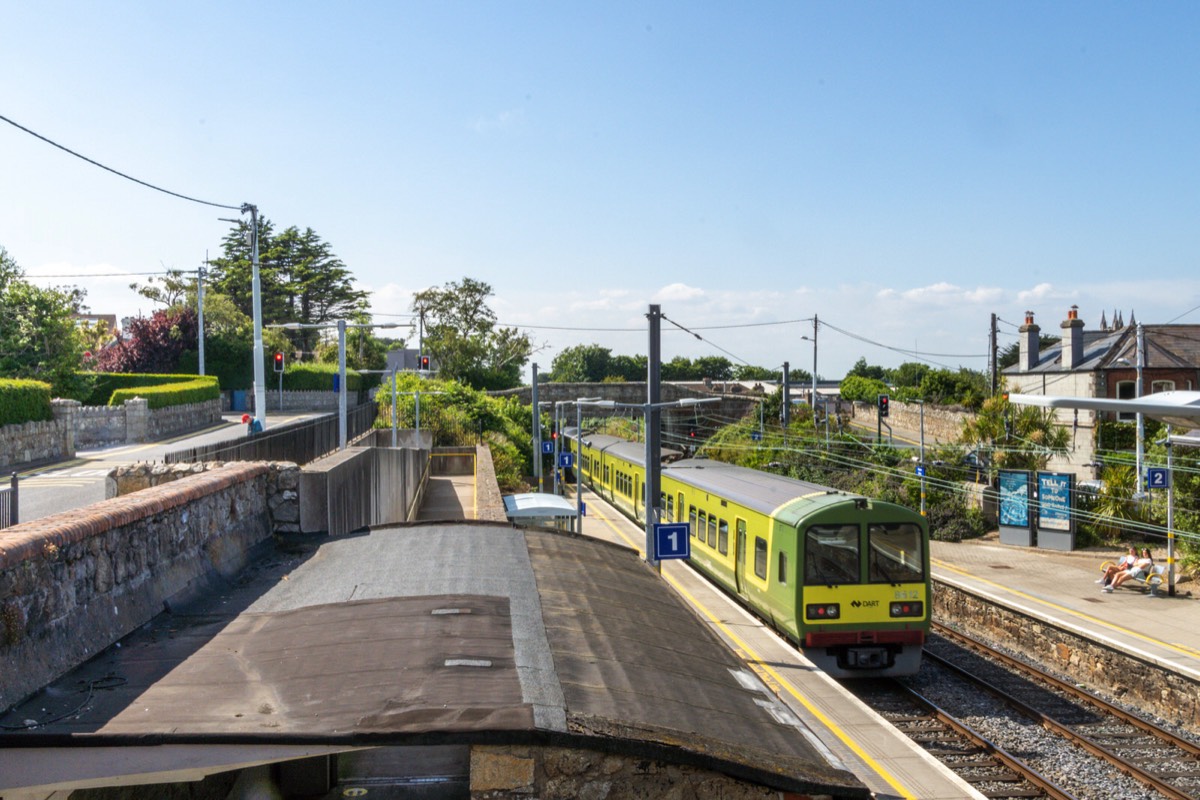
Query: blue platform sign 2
[1158,477]
[547,448]
[755,436]
[565,460]
[671,540]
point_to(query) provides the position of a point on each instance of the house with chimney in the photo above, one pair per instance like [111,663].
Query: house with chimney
[1102,363]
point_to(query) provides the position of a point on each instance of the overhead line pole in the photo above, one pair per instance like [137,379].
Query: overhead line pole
[653,434]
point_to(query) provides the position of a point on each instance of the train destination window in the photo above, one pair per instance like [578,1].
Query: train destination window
[782,567]
[723,537]
[831,555]
[760,557]
[895,554]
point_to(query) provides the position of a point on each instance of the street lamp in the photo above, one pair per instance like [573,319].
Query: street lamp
[341,326]
[260,378]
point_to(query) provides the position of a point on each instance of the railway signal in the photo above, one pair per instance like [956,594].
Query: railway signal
[425,363]
[278,361]
[883,406]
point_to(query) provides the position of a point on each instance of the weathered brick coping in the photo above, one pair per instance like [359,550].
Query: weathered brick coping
[29,540]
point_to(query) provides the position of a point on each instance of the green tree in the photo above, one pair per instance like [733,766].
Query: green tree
[1015,437]
[301,280]
[861,389]
[910,373]
[628,368]
[964,387]
[584,363]
[747,372]
[862,369]
[38,339]
[462,336]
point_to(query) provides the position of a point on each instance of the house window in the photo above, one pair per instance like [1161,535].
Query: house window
[1126,390]
[1162,386]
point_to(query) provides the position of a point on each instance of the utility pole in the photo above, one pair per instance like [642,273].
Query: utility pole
[1141,427]
[993,359]
[260,378]
[200,273]
[785,413]
[653,396]
[537,434]
[814,377]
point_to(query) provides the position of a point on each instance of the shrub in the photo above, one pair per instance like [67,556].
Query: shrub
[24,401]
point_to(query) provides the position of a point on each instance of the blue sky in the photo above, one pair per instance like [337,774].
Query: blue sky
[902,170]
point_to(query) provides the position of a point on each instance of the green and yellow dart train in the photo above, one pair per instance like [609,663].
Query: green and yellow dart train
[844,577]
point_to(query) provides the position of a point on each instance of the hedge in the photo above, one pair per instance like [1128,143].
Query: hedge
[180,393]
[109,382]
[313,377]
[24,401]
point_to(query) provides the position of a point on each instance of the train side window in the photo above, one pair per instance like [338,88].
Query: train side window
[831,555]
[782,567]
[723,537]
[666,504]
[712,531]
[692,521]
[702,523]
[895,554]
[760,557]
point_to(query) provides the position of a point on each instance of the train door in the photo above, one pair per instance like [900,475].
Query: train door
[739,565]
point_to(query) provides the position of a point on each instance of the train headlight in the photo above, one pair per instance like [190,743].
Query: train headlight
[907,608]
[820,611]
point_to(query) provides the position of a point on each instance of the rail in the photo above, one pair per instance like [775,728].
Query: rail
[298,442]
[9,515]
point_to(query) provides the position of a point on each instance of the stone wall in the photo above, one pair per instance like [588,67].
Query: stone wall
[943,424]
[521,772]
[283,480]
[73,583]
[1135,680]
[77,426]
[31,442]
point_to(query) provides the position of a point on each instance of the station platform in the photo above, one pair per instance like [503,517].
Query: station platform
[1060,587]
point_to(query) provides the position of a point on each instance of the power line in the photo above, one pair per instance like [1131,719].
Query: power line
[115,172]
[112,274]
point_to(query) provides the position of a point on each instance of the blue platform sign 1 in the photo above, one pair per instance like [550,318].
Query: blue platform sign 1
[547,448]
[565,460]
[672,540]
[921,470]
[1158,478]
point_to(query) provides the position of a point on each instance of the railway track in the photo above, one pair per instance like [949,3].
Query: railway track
[989,768]
[1053,738]
[1131,744]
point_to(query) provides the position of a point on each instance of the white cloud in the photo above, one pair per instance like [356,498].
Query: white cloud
[677,291]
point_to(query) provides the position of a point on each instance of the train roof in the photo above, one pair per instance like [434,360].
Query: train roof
[752,488]
[633,452]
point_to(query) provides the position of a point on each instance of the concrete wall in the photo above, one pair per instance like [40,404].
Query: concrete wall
[75,582]
[361,486]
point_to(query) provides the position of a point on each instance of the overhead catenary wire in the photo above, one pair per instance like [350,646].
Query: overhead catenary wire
[95,163]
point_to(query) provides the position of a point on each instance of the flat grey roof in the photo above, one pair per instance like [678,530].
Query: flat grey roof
[445,633]
[537,504]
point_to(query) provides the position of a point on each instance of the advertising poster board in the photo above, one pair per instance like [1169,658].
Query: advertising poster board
[1056,522]
[1016,523]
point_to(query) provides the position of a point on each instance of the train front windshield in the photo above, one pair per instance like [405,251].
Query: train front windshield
[831,554]
[896,554]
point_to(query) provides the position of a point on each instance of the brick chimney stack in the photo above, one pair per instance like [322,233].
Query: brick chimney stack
[1072,339]
[1028,358]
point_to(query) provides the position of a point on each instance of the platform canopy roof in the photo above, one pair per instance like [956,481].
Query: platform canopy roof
[537,505]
